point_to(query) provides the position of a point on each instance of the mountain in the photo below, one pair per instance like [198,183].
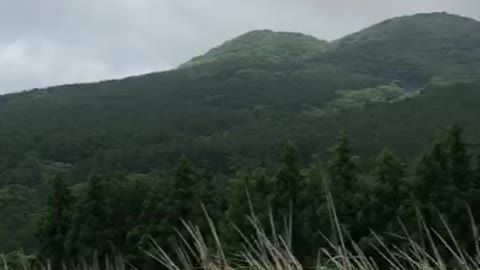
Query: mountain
[263,47]
[390,85]
[415,49]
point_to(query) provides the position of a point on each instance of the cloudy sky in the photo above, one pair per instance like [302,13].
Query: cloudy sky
[52,42]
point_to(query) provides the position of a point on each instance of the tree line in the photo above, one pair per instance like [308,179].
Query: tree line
[115,213]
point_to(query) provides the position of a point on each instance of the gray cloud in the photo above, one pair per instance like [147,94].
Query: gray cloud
[53,42]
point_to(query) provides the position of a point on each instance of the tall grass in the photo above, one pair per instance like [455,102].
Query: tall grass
[272,251]
[262,251]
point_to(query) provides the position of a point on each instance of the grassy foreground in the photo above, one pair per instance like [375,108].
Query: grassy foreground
[272,251]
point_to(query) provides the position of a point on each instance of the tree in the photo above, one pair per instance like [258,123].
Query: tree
[183,196]
[341,169]
[459,162]
[433,186]
[152,225]
[55,224]
[311,215]
[444,174]
[287,188]
[164,212]
[460,174]
[211,196]
[89,233]
[287,183]
[444,184]
[344,188]
[389,193]
[249,195]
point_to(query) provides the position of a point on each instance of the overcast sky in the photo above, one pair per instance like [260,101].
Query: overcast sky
[50,42]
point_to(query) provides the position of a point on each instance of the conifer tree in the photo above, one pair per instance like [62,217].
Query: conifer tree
[344,188]
[432,182]
[182,198]
[287,182]
[311,215]
[88,235]
[341,169]
[210,195]
[390,191]
[459,162]
[56,223]
[179,202]
[250,193]
[443,183]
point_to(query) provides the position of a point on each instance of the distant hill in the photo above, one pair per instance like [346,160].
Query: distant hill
[391,85]
[262,47]
[415,49]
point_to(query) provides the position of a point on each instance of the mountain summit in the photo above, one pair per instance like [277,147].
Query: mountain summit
[415,49]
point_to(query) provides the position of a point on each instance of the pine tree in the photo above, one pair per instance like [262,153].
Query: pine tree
[432,186]
[210,195]
[390,191]
[459,162]
[287,188]
[250,192]
[444,175]
[152,224]
[239,201]
[287,182]
[56,223]
[312,219]
[179,203]
[443,183]
[344,188]
[88,235]
[341,170]
[183,197]
[461,175]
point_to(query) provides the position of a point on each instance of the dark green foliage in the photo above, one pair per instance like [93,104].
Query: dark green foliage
[90,232]
[56,223]
[444,174]
[182,201]
[19,211]
[312,215]
[287,183]
[287,189]
[211,192]
[391,85]
[121,214]
[343,185]
[459,162]
[249,194]
[395,49]
[261,47]
[390,190]
[341,169]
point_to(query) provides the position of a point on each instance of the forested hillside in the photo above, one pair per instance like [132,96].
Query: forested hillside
[399,85]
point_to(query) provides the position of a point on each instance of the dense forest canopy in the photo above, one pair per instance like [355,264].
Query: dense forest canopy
[222,120]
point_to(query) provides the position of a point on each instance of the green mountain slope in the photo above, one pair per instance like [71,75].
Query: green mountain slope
[392,84]
[261,47]
[415,49]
